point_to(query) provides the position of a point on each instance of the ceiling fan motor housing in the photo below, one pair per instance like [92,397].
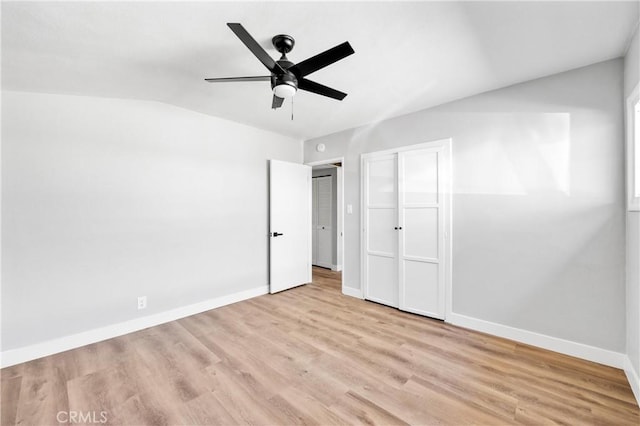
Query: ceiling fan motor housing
[287,79]
[284,44]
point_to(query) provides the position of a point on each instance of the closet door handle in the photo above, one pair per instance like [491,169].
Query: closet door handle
[397,228]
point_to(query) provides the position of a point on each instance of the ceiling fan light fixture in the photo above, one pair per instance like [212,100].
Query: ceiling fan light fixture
[284,90]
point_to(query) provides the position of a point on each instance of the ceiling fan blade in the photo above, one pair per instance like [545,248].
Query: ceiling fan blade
[226,79]
[313,87]
[277,102]
[321,60]
[255,48]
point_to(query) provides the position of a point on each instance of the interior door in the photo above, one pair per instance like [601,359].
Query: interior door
[290,225]
[380,237]
[324,226]
[422,231]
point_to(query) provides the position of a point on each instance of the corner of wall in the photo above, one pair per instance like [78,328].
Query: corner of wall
[566,347]
[633,377]
[353,292]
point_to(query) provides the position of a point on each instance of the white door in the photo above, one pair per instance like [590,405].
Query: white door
[380,229]
[324,226]
[290,225]
[422,231]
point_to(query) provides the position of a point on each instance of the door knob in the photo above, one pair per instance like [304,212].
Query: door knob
[276,234]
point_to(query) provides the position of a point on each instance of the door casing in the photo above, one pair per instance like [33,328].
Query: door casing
[339,225]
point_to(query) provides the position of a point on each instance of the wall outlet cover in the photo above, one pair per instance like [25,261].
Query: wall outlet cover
[142,302]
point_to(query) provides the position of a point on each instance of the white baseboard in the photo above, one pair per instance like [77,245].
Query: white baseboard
[632,376]
[353,292]
[50,347]
[567,347]
[336,268]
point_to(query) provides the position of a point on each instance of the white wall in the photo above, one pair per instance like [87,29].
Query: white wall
[538,216]
[105,200]
[631,80]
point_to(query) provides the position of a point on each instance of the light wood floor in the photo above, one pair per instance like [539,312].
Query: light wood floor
[312,356]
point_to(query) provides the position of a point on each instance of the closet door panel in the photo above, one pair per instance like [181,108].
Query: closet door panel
[383,280]
[382,182]
[422,237]
[421,298]
[421,233]
[380,239]
[420,177]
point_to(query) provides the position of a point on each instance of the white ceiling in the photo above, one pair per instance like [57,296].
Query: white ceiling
[409,55]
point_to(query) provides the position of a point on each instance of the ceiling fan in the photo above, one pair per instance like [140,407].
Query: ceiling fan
[286,77]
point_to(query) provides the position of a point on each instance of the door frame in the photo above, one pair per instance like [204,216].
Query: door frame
[448,215]
[339,231]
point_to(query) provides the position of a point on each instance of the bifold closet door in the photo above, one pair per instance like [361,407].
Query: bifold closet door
[421,236]
[405,217]
[380,190]
[314,222]
[323,209]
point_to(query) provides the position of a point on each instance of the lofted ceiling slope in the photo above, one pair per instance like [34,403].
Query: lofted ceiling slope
[409,55]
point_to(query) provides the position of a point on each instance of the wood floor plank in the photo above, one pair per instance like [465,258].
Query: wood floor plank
[172,373]
[451,406]
[105,391]
[242,396]
[311,355]
[9,398]
[205,410]
[43,393]
[359,410]
[240,358]
[314,408]
[147,409]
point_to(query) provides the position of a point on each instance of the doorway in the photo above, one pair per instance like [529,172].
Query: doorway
[328,215]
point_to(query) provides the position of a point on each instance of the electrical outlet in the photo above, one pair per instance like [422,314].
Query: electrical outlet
[142,302]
